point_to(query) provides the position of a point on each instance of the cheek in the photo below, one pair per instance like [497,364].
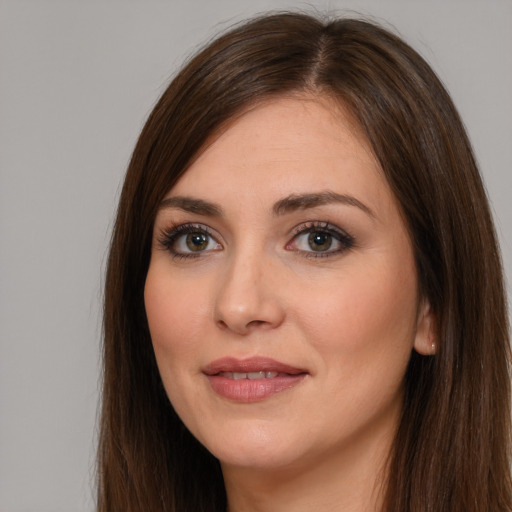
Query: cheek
[175,316]
[365,313]
[176,319]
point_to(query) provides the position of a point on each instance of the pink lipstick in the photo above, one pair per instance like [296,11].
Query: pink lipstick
[251,380]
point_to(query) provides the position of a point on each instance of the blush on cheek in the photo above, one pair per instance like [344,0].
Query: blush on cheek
[174,317]
[362,315]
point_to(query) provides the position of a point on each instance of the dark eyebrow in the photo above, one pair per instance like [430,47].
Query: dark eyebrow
[189,204]
[305,201]
[288,204]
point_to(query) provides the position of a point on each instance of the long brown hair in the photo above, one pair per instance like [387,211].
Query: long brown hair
[451,451]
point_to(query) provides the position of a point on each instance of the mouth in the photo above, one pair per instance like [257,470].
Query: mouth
[251,375]
[251,380]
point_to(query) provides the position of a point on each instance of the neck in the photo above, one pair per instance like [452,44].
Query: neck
[350,479]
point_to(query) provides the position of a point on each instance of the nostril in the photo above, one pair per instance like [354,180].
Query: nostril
[255,323]
[240,326]
[222,324]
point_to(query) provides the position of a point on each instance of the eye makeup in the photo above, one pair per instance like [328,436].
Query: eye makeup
[320,239]
[188,240]
[311,239]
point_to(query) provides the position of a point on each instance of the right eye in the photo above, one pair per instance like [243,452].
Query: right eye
[189,241]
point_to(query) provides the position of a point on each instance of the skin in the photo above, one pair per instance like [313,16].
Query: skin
[349,316]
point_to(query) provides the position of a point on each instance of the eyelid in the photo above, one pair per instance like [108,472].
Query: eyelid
[320,225]
[170,234]
[342,236]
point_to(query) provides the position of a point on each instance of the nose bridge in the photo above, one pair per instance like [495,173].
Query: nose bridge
[246,298]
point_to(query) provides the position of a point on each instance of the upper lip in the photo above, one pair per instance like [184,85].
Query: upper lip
[251,364]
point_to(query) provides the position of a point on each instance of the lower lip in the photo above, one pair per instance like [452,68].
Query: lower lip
[247,390]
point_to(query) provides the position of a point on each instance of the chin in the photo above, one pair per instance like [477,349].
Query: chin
[256,447]
[257,460]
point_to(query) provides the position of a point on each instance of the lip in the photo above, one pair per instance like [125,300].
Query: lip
[245,390]
[252,364]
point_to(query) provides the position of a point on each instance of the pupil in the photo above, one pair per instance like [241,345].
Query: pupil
[197,241]
[320,241]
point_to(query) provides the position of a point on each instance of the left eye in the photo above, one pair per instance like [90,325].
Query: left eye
[317,241]
[195,241]
[321,240]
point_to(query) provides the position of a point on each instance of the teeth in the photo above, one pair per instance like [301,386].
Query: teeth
[249,375]
[255,375]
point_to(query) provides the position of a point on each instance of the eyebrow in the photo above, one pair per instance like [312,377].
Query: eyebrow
[192,205]
[306,201]
[286,205]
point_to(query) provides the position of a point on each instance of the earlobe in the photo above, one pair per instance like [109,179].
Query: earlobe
[425,341]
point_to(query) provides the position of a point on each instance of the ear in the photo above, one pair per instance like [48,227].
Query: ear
[425,341]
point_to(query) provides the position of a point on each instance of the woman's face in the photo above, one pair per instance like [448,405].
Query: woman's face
[281,295]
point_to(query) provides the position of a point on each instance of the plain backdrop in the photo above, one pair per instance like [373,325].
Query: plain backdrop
[77,80]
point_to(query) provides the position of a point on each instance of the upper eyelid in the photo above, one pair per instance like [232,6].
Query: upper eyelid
[341,235]
[167,238]
[185,227]
[164,234]
[298,228]
[321,225]
[328,226]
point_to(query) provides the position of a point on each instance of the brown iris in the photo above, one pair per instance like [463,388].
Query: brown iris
[197,241]
[320,241]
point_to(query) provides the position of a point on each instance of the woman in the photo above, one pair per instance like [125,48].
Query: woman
[304,300]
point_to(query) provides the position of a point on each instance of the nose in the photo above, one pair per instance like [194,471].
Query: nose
[248,297]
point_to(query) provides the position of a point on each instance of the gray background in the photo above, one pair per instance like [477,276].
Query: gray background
[77,80]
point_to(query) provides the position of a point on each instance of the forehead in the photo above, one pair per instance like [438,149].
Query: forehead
[286,145]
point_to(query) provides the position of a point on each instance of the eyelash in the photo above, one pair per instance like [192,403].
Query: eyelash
[346,240]
[170,236]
